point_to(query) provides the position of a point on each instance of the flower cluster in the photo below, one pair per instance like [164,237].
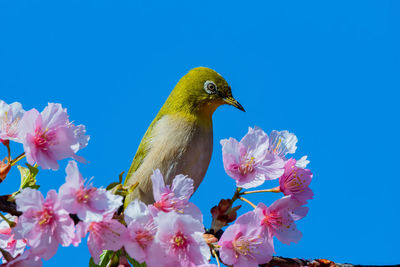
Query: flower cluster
[47,136]
[256,158]
[175,232]
[45,222]
[172,227]
[7,241]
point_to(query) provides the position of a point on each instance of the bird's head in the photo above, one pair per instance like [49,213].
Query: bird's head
[203,90]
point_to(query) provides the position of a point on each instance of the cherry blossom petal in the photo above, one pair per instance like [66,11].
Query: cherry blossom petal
[302,162]
[10,118]
[29,199]
[182,186]
[108,234]
[158,184]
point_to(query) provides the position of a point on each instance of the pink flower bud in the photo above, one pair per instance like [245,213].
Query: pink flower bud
[5,142]
[4,169]
[223,214]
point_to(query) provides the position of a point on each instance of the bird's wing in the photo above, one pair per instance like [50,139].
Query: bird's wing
[141,153]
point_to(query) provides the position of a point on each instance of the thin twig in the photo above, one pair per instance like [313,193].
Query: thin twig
[216,257]
[8,206]
[273,190]
[9,152]
[236,195]
[17,159]
[248,202]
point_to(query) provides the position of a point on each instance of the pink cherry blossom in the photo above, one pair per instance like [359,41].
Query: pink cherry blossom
[282,143]
[28,259]
[49,136]
[43,223]
[89,203]
[295,181]
[141,230]
[302,162]
[249,161]
[245,244]
[7,241]
[108,234]
[10,118]
[278,219]
[174,198]
[180,241]
[83,140]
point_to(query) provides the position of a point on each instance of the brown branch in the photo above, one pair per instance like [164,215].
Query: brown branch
[288,262]
[8,206]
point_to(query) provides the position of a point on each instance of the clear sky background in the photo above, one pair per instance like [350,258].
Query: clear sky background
[326,70]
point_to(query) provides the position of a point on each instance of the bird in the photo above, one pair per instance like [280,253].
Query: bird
[180,138]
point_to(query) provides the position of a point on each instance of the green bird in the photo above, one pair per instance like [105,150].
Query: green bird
[180,138]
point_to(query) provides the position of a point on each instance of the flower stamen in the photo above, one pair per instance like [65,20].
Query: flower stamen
[246,245]
[247,166]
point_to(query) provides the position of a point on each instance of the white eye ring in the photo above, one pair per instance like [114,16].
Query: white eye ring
[210,87]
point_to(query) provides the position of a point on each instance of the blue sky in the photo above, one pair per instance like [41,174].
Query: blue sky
[326,70]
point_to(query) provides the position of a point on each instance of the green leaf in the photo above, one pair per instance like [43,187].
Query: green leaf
[134,262]
[28,176]
[104,259]
[112,185]
[91,263]
[121,175]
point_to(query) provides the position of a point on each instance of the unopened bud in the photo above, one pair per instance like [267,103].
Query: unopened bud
[224,204]
[222,207]
[5,142]
[209,238]
[4,169]
[223,214]
[322,263]
[231,213]
[123,261]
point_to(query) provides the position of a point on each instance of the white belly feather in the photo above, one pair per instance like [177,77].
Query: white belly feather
[177,146]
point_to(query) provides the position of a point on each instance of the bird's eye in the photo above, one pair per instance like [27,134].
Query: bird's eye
[210,87]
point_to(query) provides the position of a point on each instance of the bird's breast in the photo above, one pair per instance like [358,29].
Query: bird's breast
[178,145]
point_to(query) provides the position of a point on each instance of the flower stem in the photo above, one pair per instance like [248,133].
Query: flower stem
[17,159]
[248,202]
[236,195]
[273,190]
[216,257]
[10,223]
[9,152]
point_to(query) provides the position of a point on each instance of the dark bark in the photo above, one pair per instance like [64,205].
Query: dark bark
[288,262]
[8,206]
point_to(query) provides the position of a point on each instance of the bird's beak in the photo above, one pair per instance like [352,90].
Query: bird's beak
[233,102]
